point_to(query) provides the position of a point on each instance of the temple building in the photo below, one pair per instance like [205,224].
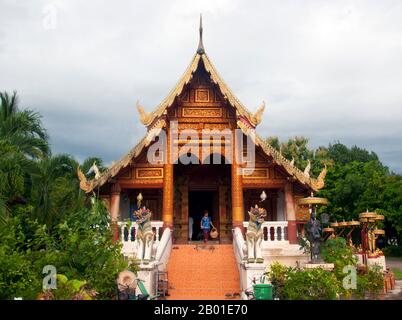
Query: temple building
[176,192]
[202,152]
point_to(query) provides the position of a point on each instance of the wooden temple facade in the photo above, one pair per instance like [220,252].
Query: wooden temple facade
[175,191]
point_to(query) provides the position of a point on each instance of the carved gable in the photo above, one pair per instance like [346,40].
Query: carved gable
[201,105]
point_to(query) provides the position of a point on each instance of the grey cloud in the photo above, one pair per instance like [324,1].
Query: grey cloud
[327,70]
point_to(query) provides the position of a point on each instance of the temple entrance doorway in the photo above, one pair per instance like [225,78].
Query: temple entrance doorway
[200,187]
[198,202]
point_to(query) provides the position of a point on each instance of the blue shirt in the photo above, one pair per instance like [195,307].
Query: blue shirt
[206,223]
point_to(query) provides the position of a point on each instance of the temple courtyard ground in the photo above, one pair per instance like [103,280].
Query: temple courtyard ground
[395,264]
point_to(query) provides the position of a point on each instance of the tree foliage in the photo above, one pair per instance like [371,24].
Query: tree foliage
[44,217]
[356,181]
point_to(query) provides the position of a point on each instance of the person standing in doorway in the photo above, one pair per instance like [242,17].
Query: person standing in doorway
[206,224]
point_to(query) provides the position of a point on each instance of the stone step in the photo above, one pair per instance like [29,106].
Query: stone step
[203,272]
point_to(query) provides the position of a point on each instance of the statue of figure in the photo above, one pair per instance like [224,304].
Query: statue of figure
[144,235]
[255,234]
[313,228]
[371,241]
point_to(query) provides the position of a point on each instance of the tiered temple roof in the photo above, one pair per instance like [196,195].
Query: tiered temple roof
[246,121]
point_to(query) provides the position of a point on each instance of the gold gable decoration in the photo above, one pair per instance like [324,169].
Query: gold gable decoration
[85,185]
[320,182]
[149,118]
[291,169]
[257,116]
[145,117]
[115,168]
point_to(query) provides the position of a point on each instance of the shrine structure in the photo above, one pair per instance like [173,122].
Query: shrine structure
[201,151]
[176,192]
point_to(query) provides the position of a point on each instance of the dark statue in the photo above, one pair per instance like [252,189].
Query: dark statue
[313,229]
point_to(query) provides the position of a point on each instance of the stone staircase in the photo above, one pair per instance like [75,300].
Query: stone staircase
[203,272]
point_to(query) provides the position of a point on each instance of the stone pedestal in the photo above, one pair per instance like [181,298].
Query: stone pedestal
[249,271]
[323,265]
[373,260]
[147,274]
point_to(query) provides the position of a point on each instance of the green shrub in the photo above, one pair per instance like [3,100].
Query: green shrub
[81,247]
[337,251]
[370,284]
[69,290]
[314,284]
[319,284]
[277,275]
[296,284]
[16,275]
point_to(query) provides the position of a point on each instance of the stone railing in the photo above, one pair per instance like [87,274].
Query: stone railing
[127,234]
[239,245]
[164,248]
[275,232]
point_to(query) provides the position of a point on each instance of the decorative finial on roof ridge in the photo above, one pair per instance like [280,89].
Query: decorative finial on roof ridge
[200,49]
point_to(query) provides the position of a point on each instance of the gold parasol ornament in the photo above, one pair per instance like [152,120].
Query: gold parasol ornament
[312,201]
[353,223]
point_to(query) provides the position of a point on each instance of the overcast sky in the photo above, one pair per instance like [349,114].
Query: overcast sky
[328,70]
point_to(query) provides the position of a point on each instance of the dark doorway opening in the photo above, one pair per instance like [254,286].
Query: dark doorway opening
[198,201]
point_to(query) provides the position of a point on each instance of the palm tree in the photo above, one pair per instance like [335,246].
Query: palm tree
[22,128]
[22,140]
[55,188]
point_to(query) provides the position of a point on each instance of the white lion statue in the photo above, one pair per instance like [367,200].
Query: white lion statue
[254,234]
[144,235]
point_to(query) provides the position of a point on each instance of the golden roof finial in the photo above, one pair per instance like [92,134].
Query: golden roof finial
[200,49]
[257,116]
[145,117]
[320,182]
[85,185]
[307,168]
